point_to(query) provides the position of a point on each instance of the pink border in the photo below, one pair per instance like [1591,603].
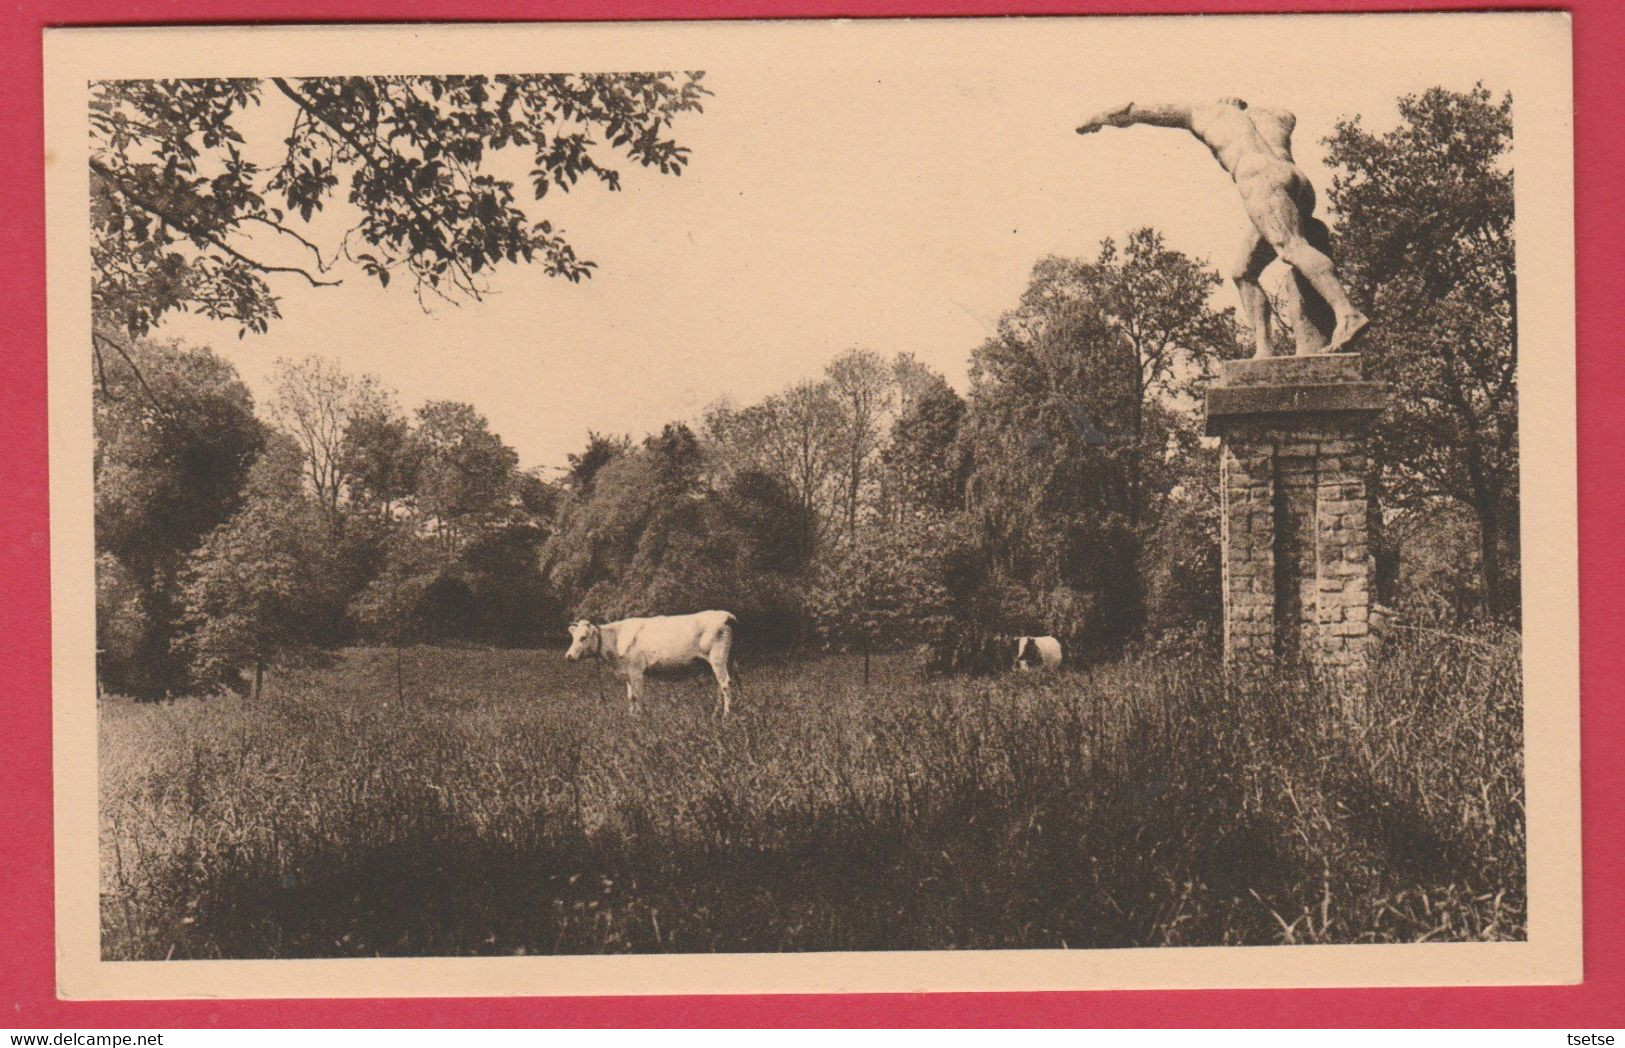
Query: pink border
[26,934]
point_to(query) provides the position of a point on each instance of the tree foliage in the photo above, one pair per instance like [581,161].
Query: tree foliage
[1048,431]
[1075,410]
[924,462]
[1438,582]
[381,460]
[794,436]
[392,606]
[315,403]
[1157,302]
[188,217]
[864,390]
[261,587]
[175,438]
[465,472]
[1426,232]
[887,590]
[601,449]
[123,623]
[650,536]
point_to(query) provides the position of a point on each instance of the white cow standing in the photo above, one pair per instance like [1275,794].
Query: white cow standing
[632,647]
[1037,653]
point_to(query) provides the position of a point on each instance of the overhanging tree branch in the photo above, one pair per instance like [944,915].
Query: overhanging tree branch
[191,229]
[366,155]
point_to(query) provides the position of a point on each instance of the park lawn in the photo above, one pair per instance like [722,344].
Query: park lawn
[504,802]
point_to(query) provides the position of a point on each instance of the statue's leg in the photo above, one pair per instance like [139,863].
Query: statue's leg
[1246,266]
[1312,320]
[1270,204]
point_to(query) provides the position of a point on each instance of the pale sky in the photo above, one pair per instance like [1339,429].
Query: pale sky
[894,197]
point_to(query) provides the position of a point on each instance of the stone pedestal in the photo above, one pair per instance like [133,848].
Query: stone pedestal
[1298,571]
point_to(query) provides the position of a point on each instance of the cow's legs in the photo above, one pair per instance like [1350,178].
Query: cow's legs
[634,691]
[719,666]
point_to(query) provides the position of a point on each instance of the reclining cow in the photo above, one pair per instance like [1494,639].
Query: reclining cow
[1037,653]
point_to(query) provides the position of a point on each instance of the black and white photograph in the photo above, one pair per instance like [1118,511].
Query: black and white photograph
[1063,487]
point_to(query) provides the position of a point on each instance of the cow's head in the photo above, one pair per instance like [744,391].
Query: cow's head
[584,640]
[1026,653]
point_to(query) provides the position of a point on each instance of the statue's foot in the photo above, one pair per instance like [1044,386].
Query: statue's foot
[1349,329]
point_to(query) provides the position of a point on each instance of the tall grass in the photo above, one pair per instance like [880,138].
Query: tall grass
[510,805]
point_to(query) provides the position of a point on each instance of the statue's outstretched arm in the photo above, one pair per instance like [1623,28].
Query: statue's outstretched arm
[1162,114]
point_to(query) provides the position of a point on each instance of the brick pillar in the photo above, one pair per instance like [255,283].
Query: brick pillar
[1298,571]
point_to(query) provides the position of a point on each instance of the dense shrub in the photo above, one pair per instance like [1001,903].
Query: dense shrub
[968,650]
[884,591]
[124,630]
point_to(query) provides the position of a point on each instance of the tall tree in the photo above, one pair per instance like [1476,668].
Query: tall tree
[169,465]
[862,385]
[260,589]
[1070,413]
[924,461]
[315,402]
[187,216]
[381,459]
[601,449]
[677,458]
[1046,430]
[1426,233]
[1156,302]
[795,437]
[175,438]
[467,474]
[600,534]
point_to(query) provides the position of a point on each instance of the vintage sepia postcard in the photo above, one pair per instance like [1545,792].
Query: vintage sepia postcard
[816,506]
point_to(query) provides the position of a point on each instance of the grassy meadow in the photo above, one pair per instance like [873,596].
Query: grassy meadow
[509,805]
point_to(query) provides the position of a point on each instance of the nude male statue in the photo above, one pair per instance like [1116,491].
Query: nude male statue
[1255,147]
